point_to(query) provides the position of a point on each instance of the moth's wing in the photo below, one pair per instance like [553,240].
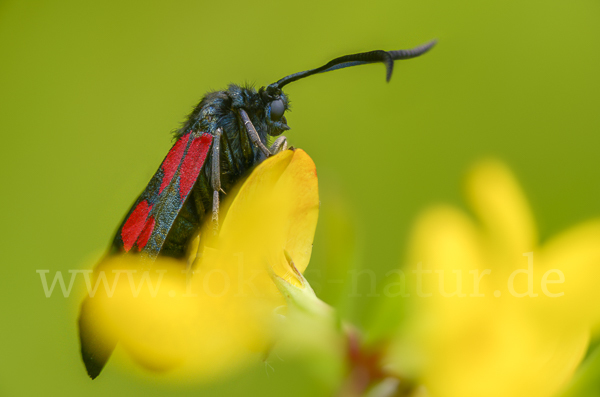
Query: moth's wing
[145,228]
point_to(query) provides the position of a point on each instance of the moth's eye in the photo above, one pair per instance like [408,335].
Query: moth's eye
[277,109]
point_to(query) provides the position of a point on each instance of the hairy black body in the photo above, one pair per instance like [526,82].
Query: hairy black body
[217,111]
[238,156]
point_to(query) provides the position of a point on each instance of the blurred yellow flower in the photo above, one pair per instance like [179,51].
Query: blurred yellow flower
[494,312]
[225,314]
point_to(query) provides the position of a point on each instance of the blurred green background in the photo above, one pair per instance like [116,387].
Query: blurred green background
[90,91]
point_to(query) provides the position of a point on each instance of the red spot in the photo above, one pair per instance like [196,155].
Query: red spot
[171,162]
[134,224]
[146,232]
[192,163]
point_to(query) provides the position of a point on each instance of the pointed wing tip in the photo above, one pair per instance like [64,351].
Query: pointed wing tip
[94,363]
[92,366]
[96,348]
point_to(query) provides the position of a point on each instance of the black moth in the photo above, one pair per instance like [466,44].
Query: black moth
[225,136]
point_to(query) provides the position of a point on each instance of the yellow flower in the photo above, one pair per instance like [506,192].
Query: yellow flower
[494,312]
[225,314]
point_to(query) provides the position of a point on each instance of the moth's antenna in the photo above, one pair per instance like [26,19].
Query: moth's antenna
[387,57]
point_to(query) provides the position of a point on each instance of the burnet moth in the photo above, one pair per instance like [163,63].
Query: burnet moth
[224,137]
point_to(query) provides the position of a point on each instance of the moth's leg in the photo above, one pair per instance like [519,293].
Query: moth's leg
[227,155]
[279,145]
[201,194]
[215,177]
[253,134]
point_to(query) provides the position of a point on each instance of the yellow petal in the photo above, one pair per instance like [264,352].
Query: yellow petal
[275,210]
[162,325]
[221,317]
[445,240]
[575,253]
[499,203]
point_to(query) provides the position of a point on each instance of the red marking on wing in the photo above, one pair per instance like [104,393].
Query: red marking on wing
[134,224]
[146,233]
[192,163]
[171,162]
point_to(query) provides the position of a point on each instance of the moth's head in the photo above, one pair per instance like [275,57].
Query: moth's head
[275,104]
